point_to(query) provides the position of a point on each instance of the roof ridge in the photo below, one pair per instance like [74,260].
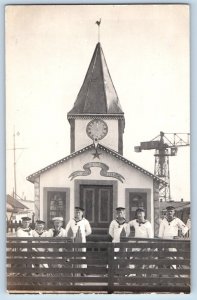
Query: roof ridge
[96,53]
[102,147]
[101,52]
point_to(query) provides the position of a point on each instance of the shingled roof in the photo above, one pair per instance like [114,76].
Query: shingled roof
[97,94]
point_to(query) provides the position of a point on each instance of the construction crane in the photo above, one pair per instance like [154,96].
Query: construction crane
[165,145]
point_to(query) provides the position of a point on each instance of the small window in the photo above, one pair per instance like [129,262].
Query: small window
[137,200]
[56,204]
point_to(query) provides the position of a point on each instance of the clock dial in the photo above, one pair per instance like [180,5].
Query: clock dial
[96,129]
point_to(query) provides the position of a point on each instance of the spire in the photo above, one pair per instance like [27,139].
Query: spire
[97,94]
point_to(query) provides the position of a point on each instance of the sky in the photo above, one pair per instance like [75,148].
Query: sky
[48,51]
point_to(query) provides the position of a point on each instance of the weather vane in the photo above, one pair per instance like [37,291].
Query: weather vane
[98,23]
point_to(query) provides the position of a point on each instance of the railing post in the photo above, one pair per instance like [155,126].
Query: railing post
[110,268]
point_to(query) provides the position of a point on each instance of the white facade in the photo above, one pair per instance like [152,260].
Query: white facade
[125,178]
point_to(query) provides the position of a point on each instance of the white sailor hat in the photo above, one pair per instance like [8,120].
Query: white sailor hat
[57,219]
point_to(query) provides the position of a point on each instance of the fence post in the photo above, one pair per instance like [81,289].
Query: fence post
[14,226]
[110,268]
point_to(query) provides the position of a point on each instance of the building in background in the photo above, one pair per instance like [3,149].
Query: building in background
[15,210]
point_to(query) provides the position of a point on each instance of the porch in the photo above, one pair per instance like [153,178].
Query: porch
[61,265]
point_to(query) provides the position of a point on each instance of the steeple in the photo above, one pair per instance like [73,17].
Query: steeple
[97,99]
[97,94]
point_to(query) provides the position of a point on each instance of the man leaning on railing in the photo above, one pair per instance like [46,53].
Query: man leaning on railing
[169,229]
[143,229]
[79,225]
[24,231]
[40,232]
[170,225]
[57,231]
[117,225]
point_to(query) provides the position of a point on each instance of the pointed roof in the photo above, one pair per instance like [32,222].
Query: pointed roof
[113,153]
[97,94]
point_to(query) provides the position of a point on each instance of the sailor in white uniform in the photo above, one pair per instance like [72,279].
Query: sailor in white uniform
[57,230]
[188,224]
[143,228]
[116,226]
[170,226]
[39,231]
[79,222]
[169,229]
[25,230]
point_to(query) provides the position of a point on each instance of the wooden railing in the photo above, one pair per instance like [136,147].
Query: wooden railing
[134,266]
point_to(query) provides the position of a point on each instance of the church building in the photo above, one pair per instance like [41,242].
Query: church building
[96,175]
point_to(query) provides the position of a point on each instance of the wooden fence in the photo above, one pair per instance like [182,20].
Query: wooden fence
[132,266]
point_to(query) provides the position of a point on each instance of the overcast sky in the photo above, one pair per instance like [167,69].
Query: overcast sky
[48,50]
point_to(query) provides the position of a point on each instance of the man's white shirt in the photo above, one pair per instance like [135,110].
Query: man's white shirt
[36,234]
[51,232]
[142,230]
[84,226]
[24,232]
[116,228]
[169,230]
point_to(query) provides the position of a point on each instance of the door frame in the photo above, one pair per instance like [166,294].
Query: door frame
[45,202]
[149,203]
[113,183]
[96,223]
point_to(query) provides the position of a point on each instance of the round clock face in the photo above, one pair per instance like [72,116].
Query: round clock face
[97,129]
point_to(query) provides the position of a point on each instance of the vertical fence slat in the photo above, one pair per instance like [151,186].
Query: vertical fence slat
[110,268]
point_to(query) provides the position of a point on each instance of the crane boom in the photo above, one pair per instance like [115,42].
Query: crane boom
[165,145]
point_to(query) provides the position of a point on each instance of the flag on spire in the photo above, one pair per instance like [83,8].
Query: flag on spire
[98,23]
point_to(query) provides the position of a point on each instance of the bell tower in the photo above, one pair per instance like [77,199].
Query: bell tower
[97,114]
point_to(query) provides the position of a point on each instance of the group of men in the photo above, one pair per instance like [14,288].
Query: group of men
[170,226]
[78,222]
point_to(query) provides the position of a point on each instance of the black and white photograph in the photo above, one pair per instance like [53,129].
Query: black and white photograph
[98,149]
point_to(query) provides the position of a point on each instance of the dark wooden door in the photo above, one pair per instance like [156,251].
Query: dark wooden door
[97,201]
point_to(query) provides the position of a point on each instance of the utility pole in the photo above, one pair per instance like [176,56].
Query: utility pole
[15,160]
[14,149]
